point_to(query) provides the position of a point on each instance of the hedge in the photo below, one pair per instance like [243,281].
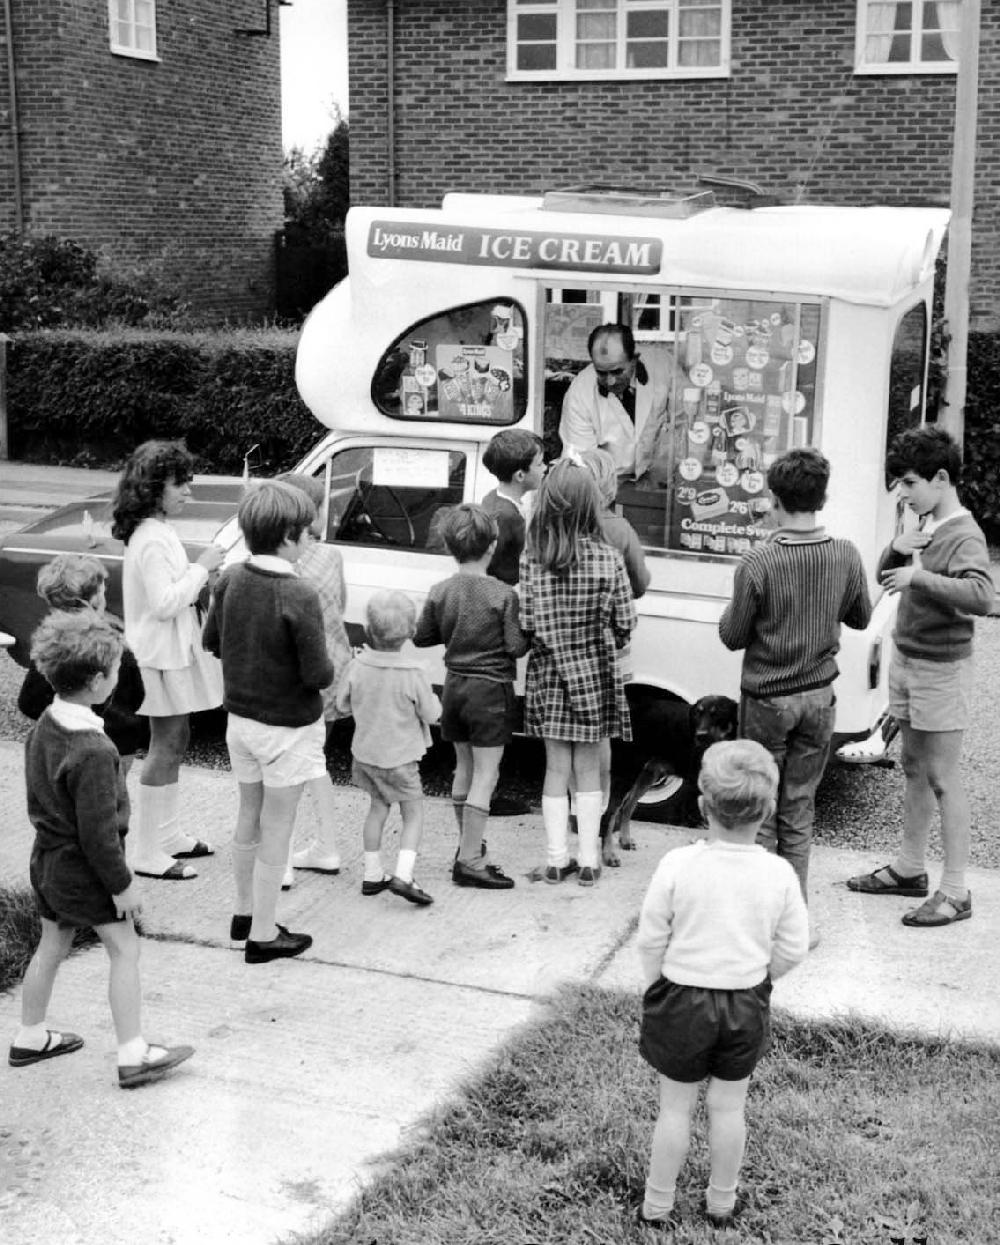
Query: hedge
[87,398]
[981,489]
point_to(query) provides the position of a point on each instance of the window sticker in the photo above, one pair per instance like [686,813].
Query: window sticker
[409,468]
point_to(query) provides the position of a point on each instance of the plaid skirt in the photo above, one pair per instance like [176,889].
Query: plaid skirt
[586,710]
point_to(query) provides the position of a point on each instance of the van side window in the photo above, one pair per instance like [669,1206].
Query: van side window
[906,376]
[465,365]
[393,497]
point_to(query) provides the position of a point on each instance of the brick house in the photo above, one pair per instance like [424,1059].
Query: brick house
[152,134]
[848,101]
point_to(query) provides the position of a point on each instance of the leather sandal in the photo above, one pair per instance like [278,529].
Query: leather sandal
[940,909]
[177,872]
[24,1056]
[201,848]
[873,884]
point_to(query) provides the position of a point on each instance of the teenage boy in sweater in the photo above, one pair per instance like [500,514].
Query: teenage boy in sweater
[790,595]
[941,571]
[266,625]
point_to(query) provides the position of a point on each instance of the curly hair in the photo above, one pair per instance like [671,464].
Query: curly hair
[71,580]
[568,509]
[151,467]
[68,649]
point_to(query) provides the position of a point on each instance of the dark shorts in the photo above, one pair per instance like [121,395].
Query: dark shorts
[73,898]
[477,711]
[689,1032]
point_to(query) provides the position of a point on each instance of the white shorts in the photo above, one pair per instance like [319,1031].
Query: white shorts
[277,756]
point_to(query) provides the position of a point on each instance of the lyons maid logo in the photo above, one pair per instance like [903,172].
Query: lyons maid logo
[495,248]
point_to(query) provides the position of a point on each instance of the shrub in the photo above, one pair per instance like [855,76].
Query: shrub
[89,397]
[981,491]
[49,281]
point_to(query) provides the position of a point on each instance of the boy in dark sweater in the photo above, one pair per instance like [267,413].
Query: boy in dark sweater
[942,572]
[790,595]
[515,457]
[79,807]
[266,625]
[476,617]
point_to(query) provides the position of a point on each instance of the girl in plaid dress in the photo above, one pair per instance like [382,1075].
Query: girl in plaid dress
[577,606]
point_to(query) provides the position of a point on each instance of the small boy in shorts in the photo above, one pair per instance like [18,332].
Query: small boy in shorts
[476,617]
[515,456]
[79,807]
[387,692]
[266,626]
[942,572]
[722,919]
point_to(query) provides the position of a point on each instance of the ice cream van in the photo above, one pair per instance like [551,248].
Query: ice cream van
[785,326]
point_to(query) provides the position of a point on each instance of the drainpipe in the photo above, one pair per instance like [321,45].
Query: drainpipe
[15,123]
[390,95]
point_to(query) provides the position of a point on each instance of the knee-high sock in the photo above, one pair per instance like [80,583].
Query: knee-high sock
[266,889]
[172,837]
[470,851]
[148,853]
[589,805]
[555,819]
[244,858]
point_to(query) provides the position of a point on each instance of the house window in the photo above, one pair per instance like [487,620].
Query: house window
[617,39]
[907,36]
[132,27]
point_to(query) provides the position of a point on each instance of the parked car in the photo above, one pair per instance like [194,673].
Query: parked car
[85,527]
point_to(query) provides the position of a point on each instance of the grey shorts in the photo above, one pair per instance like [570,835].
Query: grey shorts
[931,695]
[389,786]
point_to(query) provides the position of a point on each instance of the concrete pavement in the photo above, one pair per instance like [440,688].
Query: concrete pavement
[308,1072]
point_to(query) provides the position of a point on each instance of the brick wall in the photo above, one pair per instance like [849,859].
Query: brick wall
[793,116]
[172,167]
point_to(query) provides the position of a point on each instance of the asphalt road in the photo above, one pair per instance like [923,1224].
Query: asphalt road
[856,806]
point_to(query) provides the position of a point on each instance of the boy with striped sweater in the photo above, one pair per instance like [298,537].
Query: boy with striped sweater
[790,596]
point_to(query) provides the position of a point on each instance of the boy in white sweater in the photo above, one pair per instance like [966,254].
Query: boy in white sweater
[721,920]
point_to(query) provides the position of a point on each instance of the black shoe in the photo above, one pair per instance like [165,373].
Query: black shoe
[374,888]
[409,891]
[492,878]
[239,928]
[508,806]
[280,948]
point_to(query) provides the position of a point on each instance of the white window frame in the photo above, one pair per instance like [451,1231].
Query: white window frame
[913,66]
[130,49]
[566,70]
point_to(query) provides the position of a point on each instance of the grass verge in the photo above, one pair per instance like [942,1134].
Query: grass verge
[857,1136]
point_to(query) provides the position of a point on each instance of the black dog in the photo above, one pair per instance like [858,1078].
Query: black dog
[673,737]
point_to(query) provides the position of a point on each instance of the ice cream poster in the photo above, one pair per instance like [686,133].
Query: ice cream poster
[475,383]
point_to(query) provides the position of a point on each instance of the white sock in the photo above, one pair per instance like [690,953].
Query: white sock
[172,838]
[148,853]
[32,1037]
[588,827]
[132,1052]
[720,1201]
[555,819]
[244,859]
[404,864]
[373,867]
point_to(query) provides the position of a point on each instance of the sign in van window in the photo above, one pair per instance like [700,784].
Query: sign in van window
[521,248]
[465,364]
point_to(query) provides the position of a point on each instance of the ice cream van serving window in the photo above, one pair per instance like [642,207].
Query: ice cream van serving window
[464,365]
[732,384]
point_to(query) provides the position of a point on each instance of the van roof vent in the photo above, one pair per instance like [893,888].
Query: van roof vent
[622,201]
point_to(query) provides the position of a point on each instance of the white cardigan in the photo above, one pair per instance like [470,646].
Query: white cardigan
[159,588]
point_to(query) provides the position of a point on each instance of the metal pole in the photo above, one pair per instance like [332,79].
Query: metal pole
[963,173]
[15,123]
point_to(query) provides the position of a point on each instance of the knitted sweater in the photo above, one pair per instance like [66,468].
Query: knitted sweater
[476,618]
[790,596]
[267,628]
[505,563]
[952,584]
[79,808]
[716,914]
[393,706]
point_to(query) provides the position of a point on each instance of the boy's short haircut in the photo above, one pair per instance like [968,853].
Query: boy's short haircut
[391,619]
[468,531]
[738,782]
[69,648]
[925,450]
[312,486]
[513,449]
[602,467]
[272,512]
[798,479]
[71,580]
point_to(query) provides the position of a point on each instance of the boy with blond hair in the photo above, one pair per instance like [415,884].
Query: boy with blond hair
[721,920]
[387,692]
